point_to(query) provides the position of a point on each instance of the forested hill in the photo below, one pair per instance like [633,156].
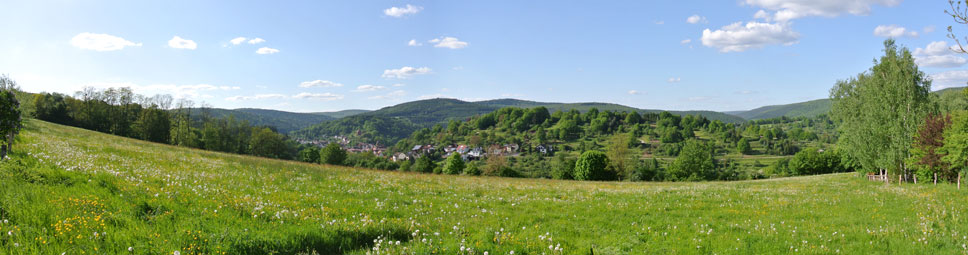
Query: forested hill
[949,97]
[343,113]
[803,109]
[389,124]
[283,122]
[584,107]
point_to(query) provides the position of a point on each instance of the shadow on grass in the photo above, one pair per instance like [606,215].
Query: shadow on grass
[338,242]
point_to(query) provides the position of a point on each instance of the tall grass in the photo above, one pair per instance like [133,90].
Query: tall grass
[67,190]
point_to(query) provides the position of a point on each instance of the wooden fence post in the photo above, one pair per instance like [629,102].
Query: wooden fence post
[935,178]
[915,179]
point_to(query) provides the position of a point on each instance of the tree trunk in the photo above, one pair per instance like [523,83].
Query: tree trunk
[3,152]
[959,180]
[915,179]
[935,178]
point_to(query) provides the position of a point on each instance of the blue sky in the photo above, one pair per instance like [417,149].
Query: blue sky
[323,56]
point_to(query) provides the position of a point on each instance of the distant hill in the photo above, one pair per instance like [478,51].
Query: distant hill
[950,98]
[433,111]
[802,109]
[283,122]
[343,113]
[401,120]
[583,107]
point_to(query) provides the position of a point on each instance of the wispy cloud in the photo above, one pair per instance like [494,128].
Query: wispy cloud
[319,83]
[319,96]
[368,88]
[256,97]
[182,43]
[398,12]
[101,42]
[405,72]
[448,42]
[266,50]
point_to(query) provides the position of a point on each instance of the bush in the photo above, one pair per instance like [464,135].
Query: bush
[472,169]
[744,146]
[454,164]
[424,164]
[332,154]
[593,166]
[695,162]
[562,168]
[811,161]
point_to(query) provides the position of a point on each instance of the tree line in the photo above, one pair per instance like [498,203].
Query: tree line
[119,111]
[890,123]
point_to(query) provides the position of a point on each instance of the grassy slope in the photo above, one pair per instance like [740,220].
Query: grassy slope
[64,184]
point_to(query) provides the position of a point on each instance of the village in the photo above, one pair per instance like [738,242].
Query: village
[468,153]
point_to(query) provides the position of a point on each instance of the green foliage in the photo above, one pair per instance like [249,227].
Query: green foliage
[472,168]
[10,119]
[332,154]
[811,161]
[154,125]
[804,109]
[454,164]
[743,146]
[878,111]
[309,155]
[265,143]
[424,165]
[955,145]
[593,166]
[280,121]
[562,168]
[695,162]
[926,150]
[52,108]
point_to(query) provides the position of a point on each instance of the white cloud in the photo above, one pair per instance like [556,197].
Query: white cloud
[266,50]
[405,72]
[238,40]
[401,11]
[928,29]
[390,96]
[414,43]
[659,22]
[685,41]
[257,41]
[785,10]
[196,91]
[399,85]
[634,92]
[256,97]
[949,79]
[319,96]
[101,42]
[700,98]
[737,37]
[696,19]
[674,79]
[433,96]
[938,54]
[761,14]
[369,88]
[181,43]
[448,42]
[319,83]
[894,31]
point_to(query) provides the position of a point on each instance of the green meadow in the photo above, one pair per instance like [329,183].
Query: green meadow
[71,191]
